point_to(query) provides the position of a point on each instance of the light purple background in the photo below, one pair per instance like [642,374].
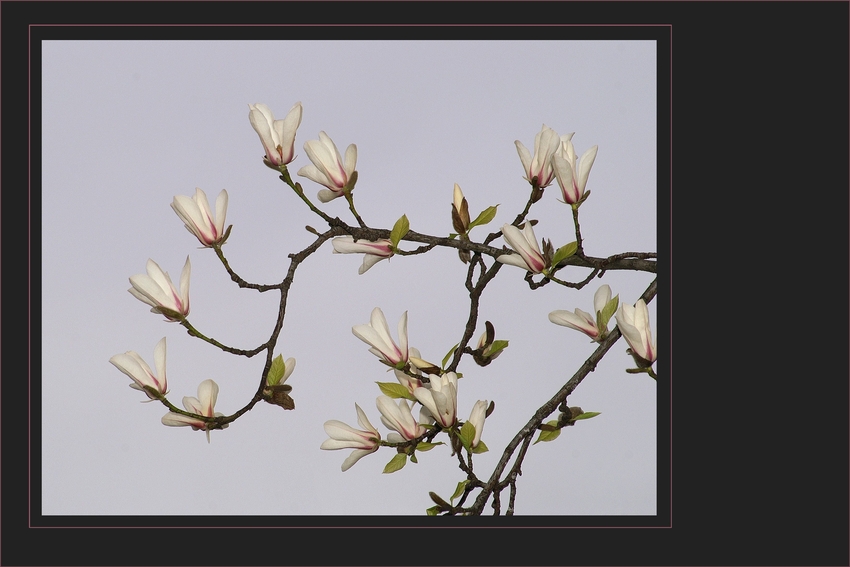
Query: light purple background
[130,124]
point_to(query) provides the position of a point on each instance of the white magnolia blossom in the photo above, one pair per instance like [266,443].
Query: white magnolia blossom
[364,441]
[441,398]
[277,136]
[131,364]
[156,289]
[196,215]
[476,418]
[377,335]
[572,175]
[374,250]
[546,143]
[328,167]
[583,321]
[397,416]
[203,405]
[524,242]
[633,322]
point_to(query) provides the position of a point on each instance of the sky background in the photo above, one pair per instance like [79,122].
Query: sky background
[127,125]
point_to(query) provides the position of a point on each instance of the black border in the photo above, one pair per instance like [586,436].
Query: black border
[724,511]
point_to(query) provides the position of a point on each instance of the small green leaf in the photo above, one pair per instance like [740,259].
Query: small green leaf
[452,236]
[413,458]
[394,390]
[564,252]
[276,371]
[459,490]
[480,448]
[495,348]
[587,415]
[433,510]
[397,463]
[548,435]
[607,312]
[425,446]
[486,216]
[399,230]
[448,354]
[467,434]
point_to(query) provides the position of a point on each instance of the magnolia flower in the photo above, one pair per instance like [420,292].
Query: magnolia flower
[374,250]
[398,417]
[196,215]
[156,290]
[344,436]
[633,322]
[583,321]
[327,168]
[377,334]
[476,418]
[204,405]
[137,369]
[277,136]
[546,143]
[525,243]
[572,176]
[441,398]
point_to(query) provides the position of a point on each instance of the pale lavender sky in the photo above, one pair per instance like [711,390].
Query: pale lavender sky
[130,124]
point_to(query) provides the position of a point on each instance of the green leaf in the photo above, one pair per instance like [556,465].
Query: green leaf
[486,216]
[397,463]
[394,390]
[607,312]
[399,230]
[587,415]
[276,371]
[480,448]
[497,347]
[459,490]
[564,252]
[425,446]
[448,354]
[548,435]
[413,458]
[467,434]
[433,510]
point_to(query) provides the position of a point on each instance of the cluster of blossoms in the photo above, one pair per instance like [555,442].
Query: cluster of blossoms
[554,159]
[437,397]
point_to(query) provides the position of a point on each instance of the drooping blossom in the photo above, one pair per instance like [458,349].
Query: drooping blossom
[571,174]
[583,321]
[156,289]
[131,364]
[328,167]
[476,418]
[633,322]
[528,255]
[277,136]
[441,398]
[203,405]
[196,215]
[374,250]
[364,441]
[397,416]
[377,335]
[546,143]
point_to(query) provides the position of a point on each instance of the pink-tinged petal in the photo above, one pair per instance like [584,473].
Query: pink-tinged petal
[525,158]
[580,321]
[313,173]
[564,176]
[146,289]
[159,355]
[355,456]
[207,395]
[184,287]
[364,422]
[476,418]
[193,405]
[514,260]
[327,195]
[179,420]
